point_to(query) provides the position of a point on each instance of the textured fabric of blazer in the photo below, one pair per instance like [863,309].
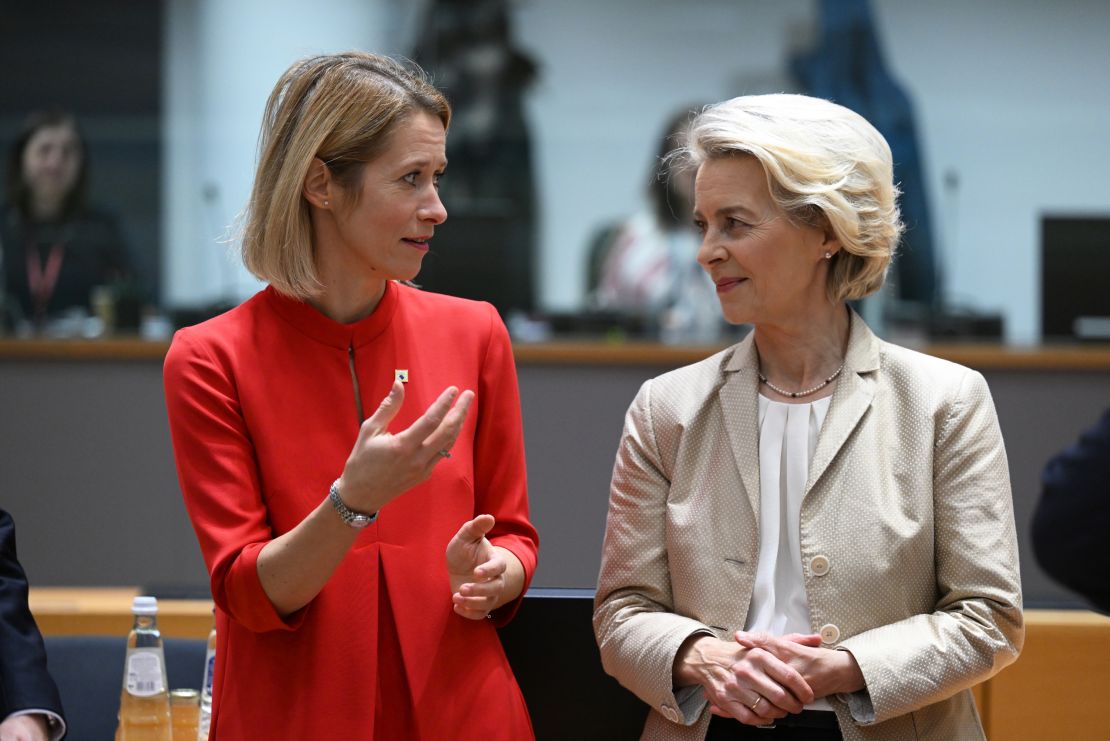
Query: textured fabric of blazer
[907,511]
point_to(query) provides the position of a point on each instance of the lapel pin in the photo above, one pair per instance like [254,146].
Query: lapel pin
[401,374]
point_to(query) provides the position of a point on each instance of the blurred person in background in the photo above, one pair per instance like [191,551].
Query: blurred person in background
[647,265]
[813,529]
[57,249]
[1071,525]
[350,447]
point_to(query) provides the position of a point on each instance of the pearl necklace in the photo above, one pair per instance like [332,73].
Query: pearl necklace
[807,392]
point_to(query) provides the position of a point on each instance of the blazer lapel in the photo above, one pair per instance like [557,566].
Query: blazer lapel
[740,409]
[850,401]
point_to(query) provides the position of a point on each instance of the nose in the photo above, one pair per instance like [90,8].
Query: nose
[433,211]
[710,250]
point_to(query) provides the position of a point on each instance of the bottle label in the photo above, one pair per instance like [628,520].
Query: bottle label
[209,670]
[144,673]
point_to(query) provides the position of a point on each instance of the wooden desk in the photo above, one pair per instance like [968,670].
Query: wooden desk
[107,611]
[1055,690]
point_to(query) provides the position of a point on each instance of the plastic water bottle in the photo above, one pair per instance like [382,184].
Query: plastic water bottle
[206,686]
[144,704]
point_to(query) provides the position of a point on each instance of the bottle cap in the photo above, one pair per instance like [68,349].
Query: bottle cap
[144,606]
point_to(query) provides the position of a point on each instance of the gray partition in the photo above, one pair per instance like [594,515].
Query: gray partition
[87,471]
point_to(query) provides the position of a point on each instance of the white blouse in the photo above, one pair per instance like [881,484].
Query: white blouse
[787,440]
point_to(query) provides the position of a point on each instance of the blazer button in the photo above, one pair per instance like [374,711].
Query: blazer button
[830,633]
[819,565]
[669,713]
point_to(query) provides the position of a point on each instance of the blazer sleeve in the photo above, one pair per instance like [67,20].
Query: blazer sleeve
[24,680]
[219,478]
[977,627]
[1071,525]
[500,478]
[636,627]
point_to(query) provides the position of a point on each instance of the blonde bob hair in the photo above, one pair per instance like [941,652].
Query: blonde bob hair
[825,165]
[340,108]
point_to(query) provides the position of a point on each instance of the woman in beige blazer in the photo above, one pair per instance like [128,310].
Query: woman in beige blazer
[812,529]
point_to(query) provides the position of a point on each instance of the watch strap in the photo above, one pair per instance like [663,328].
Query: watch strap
[349,516]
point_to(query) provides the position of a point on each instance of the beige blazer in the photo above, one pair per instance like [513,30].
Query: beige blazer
[907,517]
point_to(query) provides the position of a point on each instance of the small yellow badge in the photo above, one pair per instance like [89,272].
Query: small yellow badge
[401,374]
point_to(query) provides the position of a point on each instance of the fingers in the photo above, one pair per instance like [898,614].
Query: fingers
[447,431]
[813,640]
[474,530]
[476,600]
[387,410]
[431,419]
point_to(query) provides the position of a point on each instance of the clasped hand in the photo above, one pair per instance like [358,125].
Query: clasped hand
[771,676]
[749,682]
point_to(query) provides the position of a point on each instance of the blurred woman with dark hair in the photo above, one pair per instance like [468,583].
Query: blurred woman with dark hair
[56,249]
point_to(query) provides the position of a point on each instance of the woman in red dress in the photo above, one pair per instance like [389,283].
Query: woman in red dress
[356,548]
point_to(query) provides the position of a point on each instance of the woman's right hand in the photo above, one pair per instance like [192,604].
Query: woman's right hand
[735,681]
[383,466]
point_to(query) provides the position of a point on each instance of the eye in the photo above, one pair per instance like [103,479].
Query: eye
[411,177]
[700,226]
[436,178]
[733,224]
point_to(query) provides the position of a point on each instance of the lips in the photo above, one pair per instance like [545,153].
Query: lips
[420,243]
[727,284]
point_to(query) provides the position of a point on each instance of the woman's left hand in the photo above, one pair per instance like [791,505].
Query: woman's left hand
[482,575]
[827,671]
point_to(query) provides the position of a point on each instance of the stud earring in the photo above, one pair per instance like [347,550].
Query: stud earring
[828,255]
[327,203]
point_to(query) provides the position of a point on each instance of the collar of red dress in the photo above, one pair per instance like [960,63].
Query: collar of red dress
[308,320]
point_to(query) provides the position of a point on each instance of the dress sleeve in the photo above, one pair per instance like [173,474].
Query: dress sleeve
[977,627]
[500,479]
[638,631]
[218,472]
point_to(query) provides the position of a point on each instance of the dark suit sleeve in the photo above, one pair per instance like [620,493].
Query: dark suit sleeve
[24,681]
[1071,525]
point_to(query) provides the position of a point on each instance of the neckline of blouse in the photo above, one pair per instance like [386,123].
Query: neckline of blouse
[307,319]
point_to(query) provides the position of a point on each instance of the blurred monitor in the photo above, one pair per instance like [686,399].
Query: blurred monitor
[1075,277]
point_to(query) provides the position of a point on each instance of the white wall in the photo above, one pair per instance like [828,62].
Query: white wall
[1010,98]
[222,60]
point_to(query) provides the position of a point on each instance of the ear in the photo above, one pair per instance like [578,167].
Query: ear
[319,187]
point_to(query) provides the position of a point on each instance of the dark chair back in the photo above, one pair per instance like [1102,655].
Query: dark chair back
[89,673]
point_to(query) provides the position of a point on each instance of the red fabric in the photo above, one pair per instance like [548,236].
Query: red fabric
[263,416]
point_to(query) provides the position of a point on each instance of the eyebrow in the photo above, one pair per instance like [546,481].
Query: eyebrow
[731,210]
[421,164]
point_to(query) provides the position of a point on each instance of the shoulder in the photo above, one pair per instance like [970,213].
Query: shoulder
[916,371]
[219,336]
[438,313]
[687,388]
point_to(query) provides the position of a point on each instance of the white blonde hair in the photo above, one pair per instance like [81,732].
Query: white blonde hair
[825,165]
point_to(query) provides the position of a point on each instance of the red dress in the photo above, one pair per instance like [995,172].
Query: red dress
[263,414]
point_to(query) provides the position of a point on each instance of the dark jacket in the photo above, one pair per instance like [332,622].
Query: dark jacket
[24,681]
[1071,525]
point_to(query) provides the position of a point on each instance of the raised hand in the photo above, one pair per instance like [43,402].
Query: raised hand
[382,465]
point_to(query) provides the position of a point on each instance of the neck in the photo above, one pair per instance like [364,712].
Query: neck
[801,354]
[45,207]
[351,292]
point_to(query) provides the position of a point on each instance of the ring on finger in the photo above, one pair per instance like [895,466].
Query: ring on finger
[754,705]
[445,453]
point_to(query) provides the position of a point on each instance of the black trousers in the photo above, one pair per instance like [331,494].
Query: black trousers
[792,728]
